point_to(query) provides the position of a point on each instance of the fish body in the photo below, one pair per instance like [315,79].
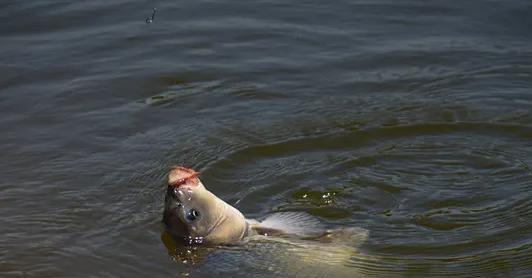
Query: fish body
[194,213]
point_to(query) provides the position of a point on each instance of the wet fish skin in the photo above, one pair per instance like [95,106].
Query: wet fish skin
[216,222]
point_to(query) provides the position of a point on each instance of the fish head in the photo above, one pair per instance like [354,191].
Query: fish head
[189,212]
[194,213]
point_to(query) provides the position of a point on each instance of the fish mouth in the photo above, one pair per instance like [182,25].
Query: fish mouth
[181,176]
[182,182]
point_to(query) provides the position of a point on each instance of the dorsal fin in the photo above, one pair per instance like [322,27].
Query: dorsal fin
[292,223]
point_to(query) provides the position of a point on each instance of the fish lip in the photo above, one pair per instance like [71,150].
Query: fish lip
[180,176]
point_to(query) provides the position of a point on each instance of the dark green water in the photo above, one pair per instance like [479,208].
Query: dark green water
[411,119]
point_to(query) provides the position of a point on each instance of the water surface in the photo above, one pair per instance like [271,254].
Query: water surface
[411,119]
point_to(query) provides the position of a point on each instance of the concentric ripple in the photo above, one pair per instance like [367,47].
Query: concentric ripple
[439,199]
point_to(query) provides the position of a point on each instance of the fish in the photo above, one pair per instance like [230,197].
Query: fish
[215,239]
[198,216]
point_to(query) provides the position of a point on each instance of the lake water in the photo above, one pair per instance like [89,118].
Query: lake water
[411,119]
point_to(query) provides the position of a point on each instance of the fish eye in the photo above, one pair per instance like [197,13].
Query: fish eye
[192,215]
